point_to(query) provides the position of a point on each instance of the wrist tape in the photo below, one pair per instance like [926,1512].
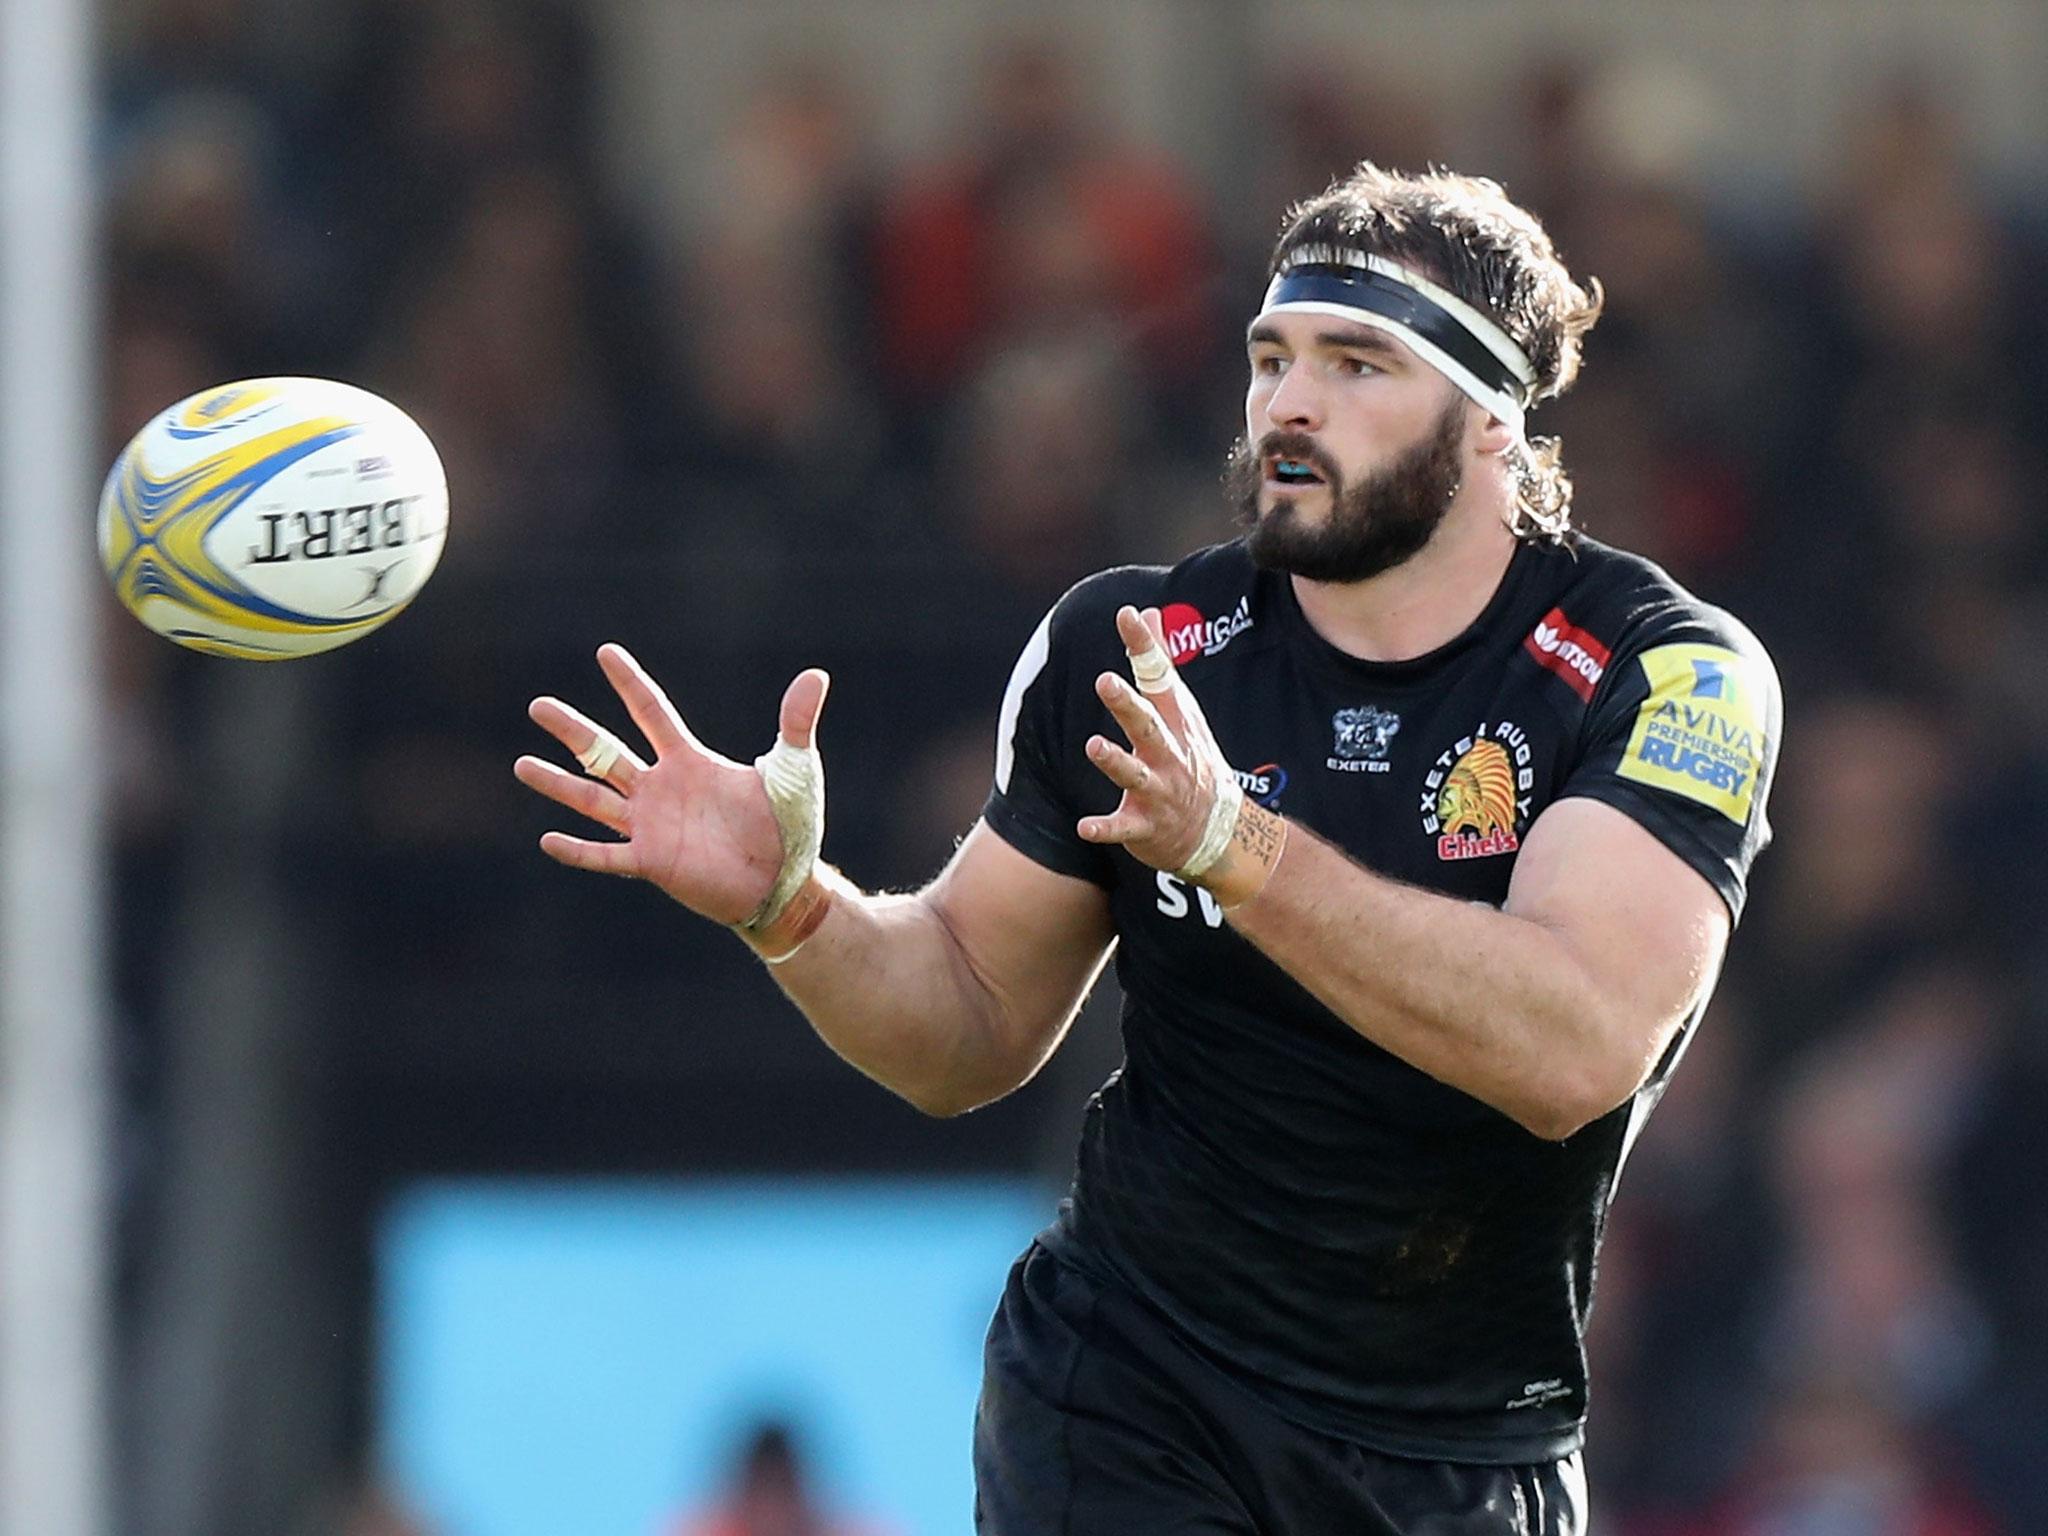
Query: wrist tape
[1221,827]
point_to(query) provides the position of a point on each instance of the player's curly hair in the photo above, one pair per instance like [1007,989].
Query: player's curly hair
[1464,233]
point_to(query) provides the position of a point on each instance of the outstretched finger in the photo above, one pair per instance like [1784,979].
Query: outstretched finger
[1124,825]
[596,750]
[802,702]
[1122,769]
[581,853]
[1144,637]
[650,708]
[1135,713]
[587,797]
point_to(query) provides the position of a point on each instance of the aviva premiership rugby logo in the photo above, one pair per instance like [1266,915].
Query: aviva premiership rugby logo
[1700,733]
[1475,801]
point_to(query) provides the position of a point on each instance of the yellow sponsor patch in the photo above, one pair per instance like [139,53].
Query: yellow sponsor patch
[1700,733]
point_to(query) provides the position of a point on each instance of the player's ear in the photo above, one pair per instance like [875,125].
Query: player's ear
[1495,436]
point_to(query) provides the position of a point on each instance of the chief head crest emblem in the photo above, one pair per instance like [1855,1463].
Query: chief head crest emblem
[1479,792]
[1475,801]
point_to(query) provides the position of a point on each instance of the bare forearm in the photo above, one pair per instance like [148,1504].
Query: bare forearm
[886,983]
[1492,1004]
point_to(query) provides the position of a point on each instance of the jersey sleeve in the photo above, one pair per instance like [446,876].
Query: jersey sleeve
[1684,739]
[1039,736]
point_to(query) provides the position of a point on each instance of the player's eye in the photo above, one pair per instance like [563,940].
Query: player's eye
[1355,366]
[1270,364]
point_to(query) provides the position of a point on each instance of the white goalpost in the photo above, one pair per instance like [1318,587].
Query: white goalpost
[54,1468]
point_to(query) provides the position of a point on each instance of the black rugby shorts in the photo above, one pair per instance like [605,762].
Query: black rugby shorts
[1096,1419]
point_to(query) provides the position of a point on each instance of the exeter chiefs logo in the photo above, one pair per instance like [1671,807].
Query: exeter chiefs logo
[1476,798]
[1479,794]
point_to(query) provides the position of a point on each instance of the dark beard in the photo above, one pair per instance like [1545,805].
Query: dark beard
[1373,526]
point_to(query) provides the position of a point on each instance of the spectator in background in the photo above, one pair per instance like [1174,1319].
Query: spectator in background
[1321,114]
[1837,1460]
[770,339]
[770,1495]
[789,211]
[161,46]
[1677,1293]
[1923,267]
[1916,321]
[1042,221]
[1684,441]
[1862,1131]
[1862,874]
[368,1508]
[464,89]
[1990,1193]
[501,354]
[200,236]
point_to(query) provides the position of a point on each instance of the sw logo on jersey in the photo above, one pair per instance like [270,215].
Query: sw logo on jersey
[1573,654]
[1700,733]
[1173,899]
[1476,798]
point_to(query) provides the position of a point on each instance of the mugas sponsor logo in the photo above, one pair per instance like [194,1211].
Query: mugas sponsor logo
[1475,801]
[1700,732]
[1263,783]
[1573,654]
[1188,634]
[1363,736]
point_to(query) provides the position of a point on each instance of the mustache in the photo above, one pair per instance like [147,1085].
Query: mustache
[1296,445]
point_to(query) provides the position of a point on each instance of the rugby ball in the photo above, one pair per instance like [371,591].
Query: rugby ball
[273,518]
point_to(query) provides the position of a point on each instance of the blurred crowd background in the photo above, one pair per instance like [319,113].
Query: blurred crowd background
[848,393]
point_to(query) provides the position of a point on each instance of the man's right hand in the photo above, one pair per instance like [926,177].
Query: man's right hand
[694,823]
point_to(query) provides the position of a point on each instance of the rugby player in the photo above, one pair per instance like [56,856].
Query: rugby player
[1418,823]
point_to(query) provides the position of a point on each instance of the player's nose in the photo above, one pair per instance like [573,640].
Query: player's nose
[1295,404]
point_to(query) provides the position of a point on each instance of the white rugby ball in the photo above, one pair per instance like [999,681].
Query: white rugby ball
[273,518]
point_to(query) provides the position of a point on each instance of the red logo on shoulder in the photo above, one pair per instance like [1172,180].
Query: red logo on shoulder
[1569,651]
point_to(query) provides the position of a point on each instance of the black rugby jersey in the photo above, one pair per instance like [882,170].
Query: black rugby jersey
[1382,1256]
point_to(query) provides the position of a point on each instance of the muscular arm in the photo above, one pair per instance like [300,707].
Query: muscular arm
[951,997]
[1553,1009]
[956,995]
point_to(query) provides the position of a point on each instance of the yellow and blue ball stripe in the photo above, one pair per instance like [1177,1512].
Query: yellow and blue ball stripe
[156,540]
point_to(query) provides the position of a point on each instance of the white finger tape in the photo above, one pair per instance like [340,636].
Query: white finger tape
[1152,669]
[795,781]
[604,750]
